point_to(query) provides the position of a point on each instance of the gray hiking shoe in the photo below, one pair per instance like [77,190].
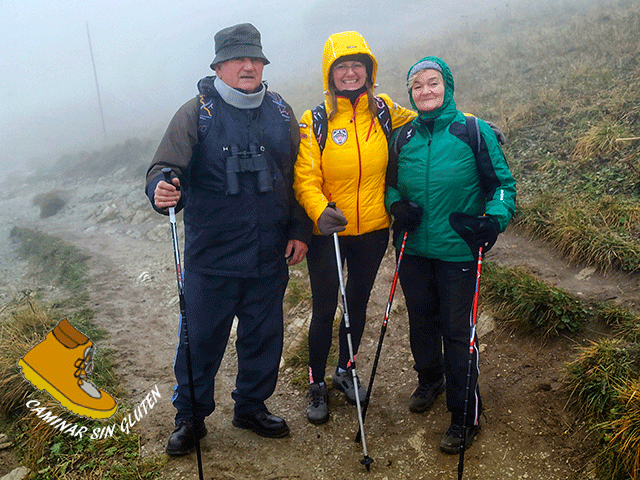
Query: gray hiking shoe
[452,440]
[318,408]
[424,396]
[344,382]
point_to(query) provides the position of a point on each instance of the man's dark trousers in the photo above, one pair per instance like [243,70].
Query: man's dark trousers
[212,302]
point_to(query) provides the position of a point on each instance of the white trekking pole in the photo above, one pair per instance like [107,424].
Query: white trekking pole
[366,461]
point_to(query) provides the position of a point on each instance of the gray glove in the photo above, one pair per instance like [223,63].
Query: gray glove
[331,221]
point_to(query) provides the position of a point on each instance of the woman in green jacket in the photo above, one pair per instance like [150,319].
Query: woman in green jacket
[433,172]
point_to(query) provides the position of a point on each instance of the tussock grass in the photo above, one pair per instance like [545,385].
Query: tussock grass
[56,260]
[625,323]
[600,140]
[604,381]
[595,374]
[57,456]
[25,322]
[604,233]
[621,454]
[518,299]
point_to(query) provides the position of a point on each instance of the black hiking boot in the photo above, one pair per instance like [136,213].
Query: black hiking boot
[425,395]
[452,440]
[263,423]
[181,441]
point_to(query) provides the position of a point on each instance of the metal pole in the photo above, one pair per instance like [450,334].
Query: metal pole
[95,74]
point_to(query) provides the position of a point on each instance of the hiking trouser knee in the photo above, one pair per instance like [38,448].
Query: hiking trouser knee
[418,280]
[456,300]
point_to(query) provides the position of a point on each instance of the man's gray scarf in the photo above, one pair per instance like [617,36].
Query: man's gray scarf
[238,99]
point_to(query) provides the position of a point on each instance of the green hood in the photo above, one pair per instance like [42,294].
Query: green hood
[448,102]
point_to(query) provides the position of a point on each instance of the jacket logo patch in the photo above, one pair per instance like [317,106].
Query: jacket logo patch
[339,135]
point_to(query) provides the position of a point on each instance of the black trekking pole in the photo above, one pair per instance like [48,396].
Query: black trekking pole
[382,333]
[176,255]
[472,347]
[366,461]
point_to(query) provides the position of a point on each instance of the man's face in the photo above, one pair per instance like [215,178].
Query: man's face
[244,73]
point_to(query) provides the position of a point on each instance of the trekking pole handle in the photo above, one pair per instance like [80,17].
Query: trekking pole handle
[332,205]
[166,171]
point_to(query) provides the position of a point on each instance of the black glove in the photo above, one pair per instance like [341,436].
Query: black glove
[478,232]
[499,135]
[407,215]
[331,221]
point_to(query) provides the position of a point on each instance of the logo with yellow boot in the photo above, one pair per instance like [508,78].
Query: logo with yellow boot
[60,364]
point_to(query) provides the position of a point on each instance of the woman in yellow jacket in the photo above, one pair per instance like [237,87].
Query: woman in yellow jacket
[346,167]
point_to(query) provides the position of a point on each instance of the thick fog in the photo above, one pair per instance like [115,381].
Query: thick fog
[72,70]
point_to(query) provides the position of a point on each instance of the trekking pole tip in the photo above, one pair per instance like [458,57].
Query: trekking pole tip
[367,461]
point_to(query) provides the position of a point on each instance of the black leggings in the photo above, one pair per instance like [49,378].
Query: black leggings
[363,255]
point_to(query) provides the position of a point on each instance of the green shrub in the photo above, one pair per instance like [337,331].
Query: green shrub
[517,298]
[50,203]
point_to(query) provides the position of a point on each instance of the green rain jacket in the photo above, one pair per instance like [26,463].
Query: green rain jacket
[438,170]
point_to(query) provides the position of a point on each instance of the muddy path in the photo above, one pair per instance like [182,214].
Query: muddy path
[527,431]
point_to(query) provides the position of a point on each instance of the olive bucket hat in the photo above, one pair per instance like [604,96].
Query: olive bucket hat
[242,40]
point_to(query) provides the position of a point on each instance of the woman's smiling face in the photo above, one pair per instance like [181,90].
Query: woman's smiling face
[427,90]
[349,75]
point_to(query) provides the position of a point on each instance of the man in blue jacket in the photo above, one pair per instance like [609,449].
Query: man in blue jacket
[231,150]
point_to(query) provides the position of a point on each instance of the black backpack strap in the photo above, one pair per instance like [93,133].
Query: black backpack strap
[384,116]
[474,133]
[486,173]
[401,136]
[319,116]
[280,104]
[205,115]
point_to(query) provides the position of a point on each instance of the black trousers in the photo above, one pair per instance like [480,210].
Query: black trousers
[363,255]
[439,298]
[212,302]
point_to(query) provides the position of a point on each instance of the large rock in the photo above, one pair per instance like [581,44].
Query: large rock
[19,473]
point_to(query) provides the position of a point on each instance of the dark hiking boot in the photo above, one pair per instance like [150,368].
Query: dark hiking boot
[424,396]
[263,423]
[318,408]
[452,440]
[344,381]
[181,441]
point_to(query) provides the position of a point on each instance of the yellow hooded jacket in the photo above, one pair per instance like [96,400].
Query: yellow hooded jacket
[351,169]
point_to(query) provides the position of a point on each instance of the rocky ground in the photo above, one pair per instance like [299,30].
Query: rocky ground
[528,433]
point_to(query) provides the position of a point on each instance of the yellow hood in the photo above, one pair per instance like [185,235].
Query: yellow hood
[341,44]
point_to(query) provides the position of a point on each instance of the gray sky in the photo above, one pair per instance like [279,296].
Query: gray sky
[150,54]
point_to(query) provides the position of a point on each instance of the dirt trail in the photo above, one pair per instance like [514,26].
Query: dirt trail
[527,434]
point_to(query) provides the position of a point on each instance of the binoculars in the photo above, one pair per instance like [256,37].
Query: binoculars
[245,162]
